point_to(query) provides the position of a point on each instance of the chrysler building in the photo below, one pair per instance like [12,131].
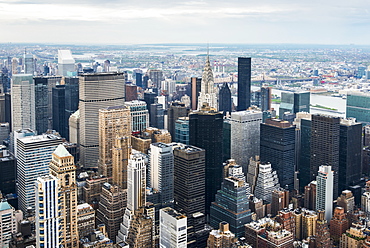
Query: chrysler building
[208,92]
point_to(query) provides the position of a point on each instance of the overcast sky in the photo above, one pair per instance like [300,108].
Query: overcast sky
[173,21]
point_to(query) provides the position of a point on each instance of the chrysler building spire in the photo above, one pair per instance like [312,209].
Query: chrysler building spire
[207,93]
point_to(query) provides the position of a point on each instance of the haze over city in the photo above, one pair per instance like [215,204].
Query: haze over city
[145,22]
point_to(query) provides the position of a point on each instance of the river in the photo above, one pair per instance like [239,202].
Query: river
[326,101]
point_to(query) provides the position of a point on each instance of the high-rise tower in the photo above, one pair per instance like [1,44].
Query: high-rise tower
[29,166]
[245,136]
[206,131]
[324,196]
[97,91]
[325,136]
[47,212]
[224,99]
[244,83]
[208,92]
[62,166]
[23,102]
[113,121]
[278,148]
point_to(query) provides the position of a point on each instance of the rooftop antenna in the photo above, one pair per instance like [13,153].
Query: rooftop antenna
[207,51]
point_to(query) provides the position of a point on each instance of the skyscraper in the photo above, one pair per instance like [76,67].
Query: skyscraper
[136,191]
[172,229]
[231,205]
[136,183]
[7,171]
[44,101]
[196,83]
[324,196]
[350,149]
[294,102]
[113,121]
[41,104]
[207,93]
[156,76]
[66,62]
[156,115]
[244,83]
[71,100]
[266,98]
[224,99]
[29,166]
[59,110]
[97,91]
[176,110]
[189,190]
[62,166]
[112,204]
[267,181]
[245,136]
[161,171]
[358,106]
[139,115]
[9,219]
[325,136]
[206,131]
[278,148]
[47,212]
[182,130]
[29,66]
[23,102]
[141,230]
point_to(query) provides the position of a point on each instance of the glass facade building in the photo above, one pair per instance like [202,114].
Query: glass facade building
[231,205]
[358,106]
[182,130]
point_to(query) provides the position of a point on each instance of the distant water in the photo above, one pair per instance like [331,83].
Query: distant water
[327,101]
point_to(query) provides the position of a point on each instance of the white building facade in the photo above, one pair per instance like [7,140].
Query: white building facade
[172,229]
[324,191]
[47,212]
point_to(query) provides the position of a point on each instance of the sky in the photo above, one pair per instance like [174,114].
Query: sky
[174,21]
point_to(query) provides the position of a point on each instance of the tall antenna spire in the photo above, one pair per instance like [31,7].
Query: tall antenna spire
[207,51]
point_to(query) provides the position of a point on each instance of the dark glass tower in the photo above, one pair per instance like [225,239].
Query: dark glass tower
[175,111]
[231,205]
[189,191]
[224,99]
[156,116]
[305,154]
[71,100]
[325,146]
[59,116]
[206,131]
[294,102]
[244,83]
[195,89]
[41,104]
[350,149]
[149,98]
[139,79]
[265,98]
[278,147]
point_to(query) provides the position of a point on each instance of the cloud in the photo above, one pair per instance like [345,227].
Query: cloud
[147,21]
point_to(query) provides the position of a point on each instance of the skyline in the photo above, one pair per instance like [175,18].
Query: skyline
[115,22]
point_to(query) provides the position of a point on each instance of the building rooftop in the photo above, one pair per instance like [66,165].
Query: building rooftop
[4,205]
[65,57]
[39,138]
[61,151]
[83,206]
[173,213]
